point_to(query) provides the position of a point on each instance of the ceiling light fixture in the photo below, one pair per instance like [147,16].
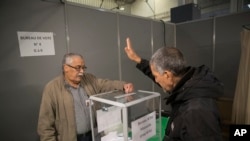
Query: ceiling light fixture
[121,8]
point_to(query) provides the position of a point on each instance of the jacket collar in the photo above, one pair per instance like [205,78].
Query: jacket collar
[179,87]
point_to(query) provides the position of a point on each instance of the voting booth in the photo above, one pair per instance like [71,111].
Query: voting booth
[116,116]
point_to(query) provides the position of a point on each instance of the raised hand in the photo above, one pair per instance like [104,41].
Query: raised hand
[131,53]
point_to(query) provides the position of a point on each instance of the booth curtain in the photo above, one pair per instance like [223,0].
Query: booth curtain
[241,103]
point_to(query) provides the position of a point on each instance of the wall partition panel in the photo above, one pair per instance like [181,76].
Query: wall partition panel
[93,33]
[102,39]
[139,31]
[160,40]
[170,32]
[23,78]
[228,48]
[195,40]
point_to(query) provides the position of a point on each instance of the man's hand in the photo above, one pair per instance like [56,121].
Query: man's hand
[131,53]
[128,88]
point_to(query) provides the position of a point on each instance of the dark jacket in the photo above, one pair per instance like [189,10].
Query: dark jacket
[194,115]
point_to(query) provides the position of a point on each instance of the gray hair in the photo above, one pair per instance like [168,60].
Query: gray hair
[168,58]
[67,58]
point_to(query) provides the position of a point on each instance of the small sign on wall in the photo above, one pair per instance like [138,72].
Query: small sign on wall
[36,43]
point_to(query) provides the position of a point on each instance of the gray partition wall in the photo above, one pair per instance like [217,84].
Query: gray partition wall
[98,35]
[93,33]
[214,42]
[158,42]
[140,33]
[102,40]
[23,78]
[228,48]
[195,40]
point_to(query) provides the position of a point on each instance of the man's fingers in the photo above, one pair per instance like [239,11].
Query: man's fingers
[128,88]
[126,50]
[128,43]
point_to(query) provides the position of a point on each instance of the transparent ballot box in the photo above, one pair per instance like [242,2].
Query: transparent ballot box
[116,116]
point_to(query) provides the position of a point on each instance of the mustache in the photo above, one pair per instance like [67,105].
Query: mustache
[80,74]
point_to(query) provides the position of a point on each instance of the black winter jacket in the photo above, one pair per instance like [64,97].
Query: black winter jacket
[194,115]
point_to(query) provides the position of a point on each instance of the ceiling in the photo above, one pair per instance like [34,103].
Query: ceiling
[209,8]
[125,1]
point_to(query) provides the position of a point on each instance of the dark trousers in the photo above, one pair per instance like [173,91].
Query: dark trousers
[84,137]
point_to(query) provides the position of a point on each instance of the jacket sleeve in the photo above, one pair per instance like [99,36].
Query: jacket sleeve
[144,67]
[95,85]
[46,120]
[106,85]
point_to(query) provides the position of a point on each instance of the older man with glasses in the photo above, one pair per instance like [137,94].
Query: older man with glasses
[64,114]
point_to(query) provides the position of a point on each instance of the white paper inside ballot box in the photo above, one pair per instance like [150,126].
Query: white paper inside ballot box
[108,117]
[114,136]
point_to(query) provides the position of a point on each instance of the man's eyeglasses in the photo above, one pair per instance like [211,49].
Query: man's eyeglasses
[77,68]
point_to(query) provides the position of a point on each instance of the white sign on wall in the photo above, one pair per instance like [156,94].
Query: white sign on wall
[144,127]
[36,43]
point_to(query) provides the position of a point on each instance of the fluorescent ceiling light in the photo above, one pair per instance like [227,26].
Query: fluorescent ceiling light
[121,8]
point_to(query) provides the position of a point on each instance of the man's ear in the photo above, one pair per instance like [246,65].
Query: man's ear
[65,68]
[167,74]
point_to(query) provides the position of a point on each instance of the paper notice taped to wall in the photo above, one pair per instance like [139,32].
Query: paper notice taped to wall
[36,43]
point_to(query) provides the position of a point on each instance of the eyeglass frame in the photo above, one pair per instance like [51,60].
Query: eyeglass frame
[78,68]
